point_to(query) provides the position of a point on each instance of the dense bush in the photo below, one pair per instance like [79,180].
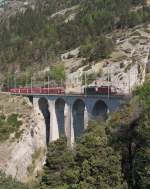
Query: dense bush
[93,164]
[8,125]
[9,183]
[132,138]
[57,72]
[99,49]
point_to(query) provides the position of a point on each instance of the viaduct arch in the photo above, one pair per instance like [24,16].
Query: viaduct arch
[60,117]
[44,108]
[69,115]
[100,110]
[78,117]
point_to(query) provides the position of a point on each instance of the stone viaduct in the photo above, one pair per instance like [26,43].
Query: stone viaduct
[69,114]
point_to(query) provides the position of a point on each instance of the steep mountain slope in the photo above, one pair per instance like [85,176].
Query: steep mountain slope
[39,34]
[126,65]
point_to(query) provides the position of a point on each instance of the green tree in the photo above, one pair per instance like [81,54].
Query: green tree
[97,50]
[9,183]
[60,168]
[99,163]
[93,164]
[57,72]
[130,133]
[142,156]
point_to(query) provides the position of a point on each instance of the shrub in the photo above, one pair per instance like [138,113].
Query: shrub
[89,78]
[8,182]
[58,72]
[97,50]
[9,125]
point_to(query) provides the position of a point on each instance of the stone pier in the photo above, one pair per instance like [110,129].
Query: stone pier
[61,115]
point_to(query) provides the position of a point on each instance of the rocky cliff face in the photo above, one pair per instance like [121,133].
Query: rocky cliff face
[11,7]
[23,157]
[125,68]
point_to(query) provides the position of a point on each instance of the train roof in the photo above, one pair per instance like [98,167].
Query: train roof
[103,86]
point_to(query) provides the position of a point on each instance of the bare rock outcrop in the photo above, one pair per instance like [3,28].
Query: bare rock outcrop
[126,67]
[23,157]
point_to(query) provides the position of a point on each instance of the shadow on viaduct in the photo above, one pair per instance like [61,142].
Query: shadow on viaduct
[69,115]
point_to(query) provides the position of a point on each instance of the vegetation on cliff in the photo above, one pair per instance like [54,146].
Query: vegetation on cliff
[9,125]
[112,155]
[9,183]
[93,164]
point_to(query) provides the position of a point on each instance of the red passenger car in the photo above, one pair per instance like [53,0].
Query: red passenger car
[37,90]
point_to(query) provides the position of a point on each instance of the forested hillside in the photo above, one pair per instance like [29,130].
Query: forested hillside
[34,37]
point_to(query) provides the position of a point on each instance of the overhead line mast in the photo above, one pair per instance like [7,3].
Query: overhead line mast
[3,4]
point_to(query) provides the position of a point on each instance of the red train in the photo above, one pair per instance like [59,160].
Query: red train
[102,90]
[37,90]
[92,90]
